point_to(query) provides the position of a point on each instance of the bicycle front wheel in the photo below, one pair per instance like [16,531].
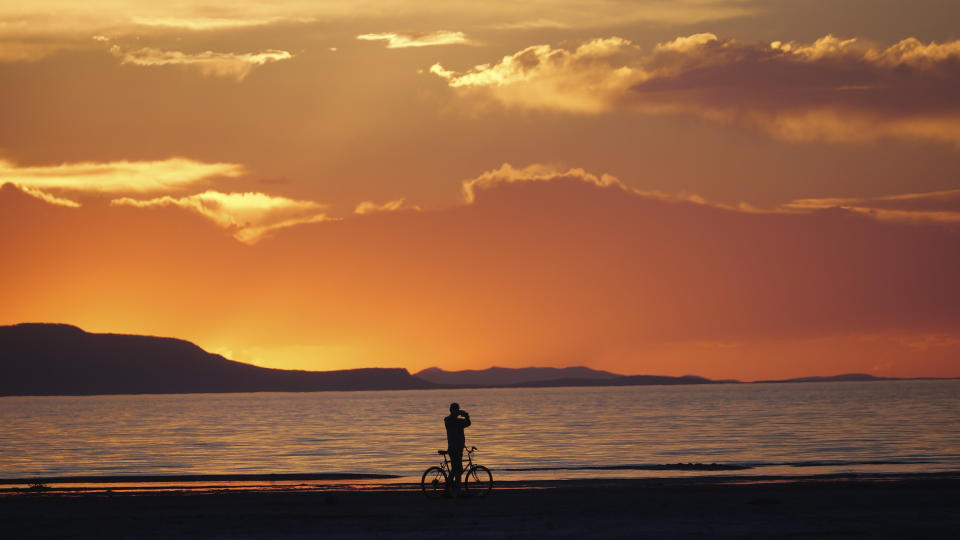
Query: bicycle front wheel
[433,483]
[478,482]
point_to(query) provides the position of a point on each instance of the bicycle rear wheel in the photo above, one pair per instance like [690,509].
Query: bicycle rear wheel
[478,481]
[433,483]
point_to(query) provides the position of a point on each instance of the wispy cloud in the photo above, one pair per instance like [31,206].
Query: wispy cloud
[531,24]
[538,172]
[216,64]
[47,197]
[215,15]
[204,23]
[369,207]
[114,176]
[936,206]
[834,89]
[548,172]
[251,216]
[35,29]
[428,39]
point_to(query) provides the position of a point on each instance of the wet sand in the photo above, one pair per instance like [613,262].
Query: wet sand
[915,506]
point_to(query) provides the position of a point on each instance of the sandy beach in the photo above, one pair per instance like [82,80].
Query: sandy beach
[914,506]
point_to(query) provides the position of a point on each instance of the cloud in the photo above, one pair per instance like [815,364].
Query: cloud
[47,197]
[428,39]
[205,23]
[842,90]
[251,215]
[132,16]
[30,31]
[587,79]
[532,24]
[209,63]
[937,206]
[369,207]
[114,176]
[560,272]
[537,172]
[546,172]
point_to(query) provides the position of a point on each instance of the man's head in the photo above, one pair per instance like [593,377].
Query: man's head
[454,408]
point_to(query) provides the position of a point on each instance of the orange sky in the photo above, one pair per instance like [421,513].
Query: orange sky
[728,188]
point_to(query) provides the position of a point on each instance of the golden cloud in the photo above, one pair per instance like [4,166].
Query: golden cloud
[47,197]
[939,206]
[430,39]
[545,172]
[832,89]
[588,79]
[209,63]
[538,172]
[30,31]
[204,23]
[114,176]
[129,17]
[936,206]
[369,207]
[67,15]
[250,215]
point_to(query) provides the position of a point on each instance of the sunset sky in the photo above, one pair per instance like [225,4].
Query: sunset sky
[730,188]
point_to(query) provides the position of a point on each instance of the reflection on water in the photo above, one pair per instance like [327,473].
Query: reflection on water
[777,428]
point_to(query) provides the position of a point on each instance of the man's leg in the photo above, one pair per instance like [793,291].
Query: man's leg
[456,464]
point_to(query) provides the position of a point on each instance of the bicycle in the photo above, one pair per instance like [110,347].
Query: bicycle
[477,479]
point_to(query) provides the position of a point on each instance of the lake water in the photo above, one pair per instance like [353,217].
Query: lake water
[805,428]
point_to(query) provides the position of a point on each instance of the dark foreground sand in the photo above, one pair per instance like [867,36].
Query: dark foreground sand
[905,507]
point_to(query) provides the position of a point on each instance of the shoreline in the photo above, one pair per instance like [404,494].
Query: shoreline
[915,506]
[692,470]
[231,477]
[321,482]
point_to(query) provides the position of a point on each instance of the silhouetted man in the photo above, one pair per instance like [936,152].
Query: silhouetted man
[455,439]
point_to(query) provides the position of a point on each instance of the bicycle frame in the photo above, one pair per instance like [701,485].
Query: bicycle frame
[447,467]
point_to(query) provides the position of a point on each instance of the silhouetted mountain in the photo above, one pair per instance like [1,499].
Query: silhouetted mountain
[631,380]
[498,376]
[849,377]
[545,377]
[58,359]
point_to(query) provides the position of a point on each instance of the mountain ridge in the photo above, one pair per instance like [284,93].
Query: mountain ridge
[59,359]
[62,359]
[507,376]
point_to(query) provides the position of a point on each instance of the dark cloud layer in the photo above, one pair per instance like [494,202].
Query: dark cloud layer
[833,89]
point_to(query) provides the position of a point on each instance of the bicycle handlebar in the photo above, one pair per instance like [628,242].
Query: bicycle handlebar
[442,452]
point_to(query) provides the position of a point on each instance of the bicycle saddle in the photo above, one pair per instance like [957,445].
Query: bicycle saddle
[442,452]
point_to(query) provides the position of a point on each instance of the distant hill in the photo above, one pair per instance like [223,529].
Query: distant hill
[625,380]
[498,376]
[847,377]
[59,359]
[546,377]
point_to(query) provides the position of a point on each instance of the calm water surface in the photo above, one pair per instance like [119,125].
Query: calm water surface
[805,428]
